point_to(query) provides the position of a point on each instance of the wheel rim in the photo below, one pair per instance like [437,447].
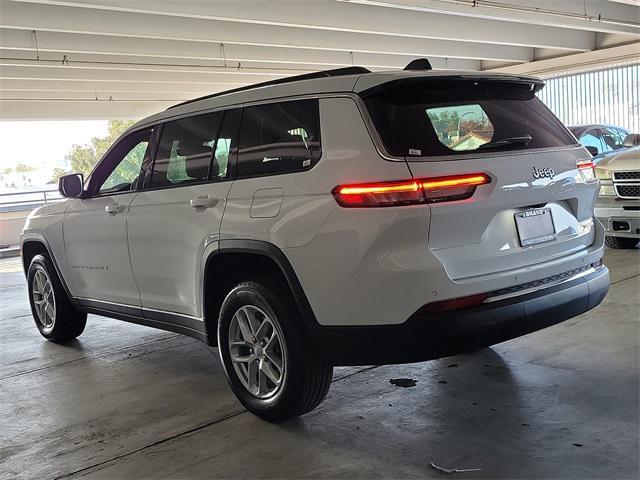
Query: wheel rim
[44,299]
[257,351]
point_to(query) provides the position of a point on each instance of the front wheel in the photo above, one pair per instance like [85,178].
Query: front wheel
[56,318]
[621,242]
[267,357]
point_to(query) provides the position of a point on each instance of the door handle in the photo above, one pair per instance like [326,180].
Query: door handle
[114,209]
[203,201]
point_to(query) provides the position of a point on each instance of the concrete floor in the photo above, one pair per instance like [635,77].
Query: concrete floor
[126,401]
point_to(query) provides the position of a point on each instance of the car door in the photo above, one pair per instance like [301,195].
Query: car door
[178,212]
[95,226]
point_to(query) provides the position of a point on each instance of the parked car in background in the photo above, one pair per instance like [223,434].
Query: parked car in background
[606,138]
[618,204]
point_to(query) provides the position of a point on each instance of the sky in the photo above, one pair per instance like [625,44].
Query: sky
[44,143]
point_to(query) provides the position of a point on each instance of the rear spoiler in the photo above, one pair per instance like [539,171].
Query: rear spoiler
[536,84]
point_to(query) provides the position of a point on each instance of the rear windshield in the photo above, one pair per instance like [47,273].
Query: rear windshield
[431,118]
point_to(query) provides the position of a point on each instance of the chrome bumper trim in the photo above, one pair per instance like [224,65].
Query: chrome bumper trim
[547,282]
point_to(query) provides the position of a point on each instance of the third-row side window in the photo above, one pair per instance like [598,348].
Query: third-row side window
[280,137]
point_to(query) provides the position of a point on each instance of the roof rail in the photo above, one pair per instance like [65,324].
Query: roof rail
[337,72]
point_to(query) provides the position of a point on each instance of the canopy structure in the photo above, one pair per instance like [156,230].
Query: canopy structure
[87,59]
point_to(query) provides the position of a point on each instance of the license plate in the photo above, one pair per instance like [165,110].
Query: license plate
[535,226]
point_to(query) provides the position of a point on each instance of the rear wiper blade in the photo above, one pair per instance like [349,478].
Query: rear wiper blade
[507,142]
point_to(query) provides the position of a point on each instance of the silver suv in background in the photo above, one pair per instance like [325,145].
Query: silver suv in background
[618,204]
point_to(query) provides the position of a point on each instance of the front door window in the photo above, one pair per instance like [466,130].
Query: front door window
[119,172]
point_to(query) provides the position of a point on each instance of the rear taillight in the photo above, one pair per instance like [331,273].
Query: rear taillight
[409,192]
[385,194]
[587,169]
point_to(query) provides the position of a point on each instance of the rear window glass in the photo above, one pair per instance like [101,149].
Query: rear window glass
[431,118]
[461,127]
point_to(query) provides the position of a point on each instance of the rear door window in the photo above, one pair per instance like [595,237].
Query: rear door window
[226,145]
[281,137]
[436,118]
[185,150]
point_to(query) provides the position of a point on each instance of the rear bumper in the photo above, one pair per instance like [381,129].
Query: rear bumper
[423,337]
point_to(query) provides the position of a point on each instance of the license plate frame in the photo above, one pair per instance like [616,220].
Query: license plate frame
[535,226]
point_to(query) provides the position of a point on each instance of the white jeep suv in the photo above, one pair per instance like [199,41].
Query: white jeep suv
[338,218]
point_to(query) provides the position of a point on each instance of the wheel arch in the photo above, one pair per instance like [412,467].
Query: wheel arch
[238,260]
[37,245]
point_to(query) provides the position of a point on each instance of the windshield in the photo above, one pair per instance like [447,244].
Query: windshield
[431,118]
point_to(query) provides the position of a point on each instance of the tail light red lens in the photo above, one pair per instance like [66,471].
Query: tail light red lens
[454,304]
[409,192]
[587,169]
[383,194]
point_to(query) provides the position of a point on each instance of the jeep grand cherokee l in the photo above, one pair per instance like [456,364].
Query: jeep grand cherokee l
[338,218]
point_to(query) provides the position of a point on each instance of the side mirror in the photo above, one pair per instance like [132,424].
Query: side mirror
[593,150]
[70,186]
[632,140]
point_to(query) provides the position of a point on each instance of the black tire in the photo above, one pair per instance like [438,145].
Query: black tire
[67,322]
[621,242]
[306,377]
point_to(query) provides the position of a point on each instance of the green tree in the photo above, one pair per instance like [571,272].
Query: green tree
[84,157]
[22,168]
[7,171]
[57,173]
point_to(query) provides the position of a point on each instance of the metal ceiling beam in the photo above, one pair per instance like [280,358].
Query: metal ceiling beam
[622,54]
[76,110]
[116,61]
[588,15]
[159,48]
[183,75]
[53,95]
[328,26]
[106,88]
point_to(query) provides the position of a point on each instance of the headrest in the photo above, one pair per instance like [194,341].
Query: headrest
[198,158]
[193,149]
[632,140]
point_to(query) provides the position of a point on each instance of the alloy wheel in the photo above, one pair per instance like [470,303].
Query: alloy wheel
[257,351]
[44,300]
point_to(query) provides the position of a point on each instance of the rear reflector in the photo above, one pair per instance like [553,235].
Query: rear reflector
[409,192]
[587,169]
[454,304]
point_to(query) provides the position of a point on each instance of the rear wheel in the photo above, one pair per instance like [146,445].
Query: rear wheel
[267,357]
[621,242]
[56,318]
